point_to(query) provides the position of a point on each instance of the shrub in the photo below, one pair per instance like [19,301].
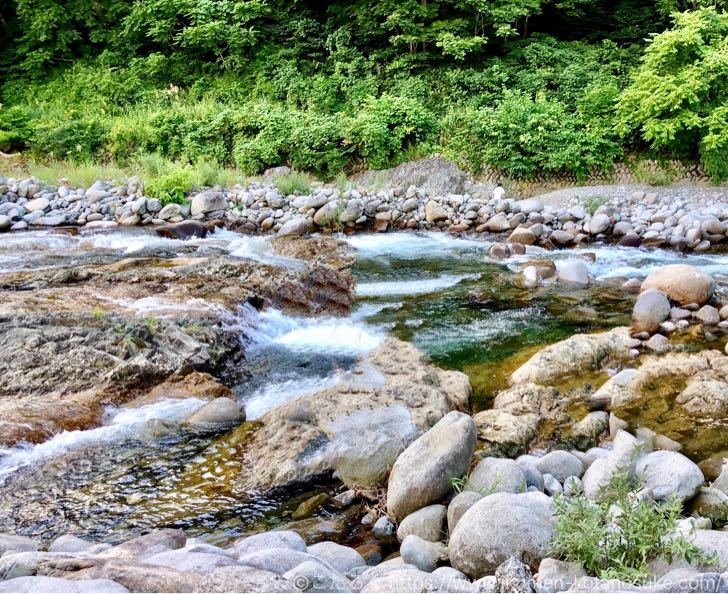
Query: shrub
[592,203]
[522,137]
[676,100]
[16,129]
[264,134]
[77,138]
[386,126]
[616,536]
[653,174]
[173,186]
[317,144]
[292,182]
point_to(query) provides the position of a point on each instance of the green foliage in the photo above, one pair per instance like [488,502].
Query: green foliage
[78,138]
[386,126]
[292,183]
[678,96]
[526,86]
[616,536]
[653,174]
[16,128]
[172,187]
[592,203]
[523,137]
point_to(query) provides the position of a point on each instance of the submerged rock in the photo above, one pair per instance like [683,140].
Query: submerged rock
[682,396]
[578,354]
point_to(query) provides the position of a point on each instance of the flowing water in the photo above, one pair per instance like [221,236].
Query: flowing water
[142,469]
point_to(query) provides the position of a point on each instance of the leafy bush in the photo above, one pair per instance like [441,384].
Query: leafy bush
[616,536]
[523,137]
[592,203]
[386,126]
[173,186]
[77,138]
[265,131]
[653,174]
[317,144]
[677,98]
[292,183]
[16,128]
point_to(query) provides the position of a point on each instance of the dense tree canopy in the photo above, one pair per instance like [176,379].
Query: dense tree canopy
[527,86]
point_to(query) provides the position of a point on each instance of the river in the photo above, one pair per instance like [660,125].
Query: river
[444,294]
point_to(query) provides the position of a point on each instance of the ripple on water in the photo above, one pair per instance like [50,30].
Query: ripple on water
[122,424]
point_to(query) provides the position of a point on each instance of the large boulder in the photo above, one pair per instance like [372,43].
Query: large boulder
[434,175]
[651,309]
[341,558]
[311,576]
[573,273]
[428,523]
[244,579]
[423,473]
[134,575]
[34,584]
[434,212]
[496,475]
[578,354]
[501,526]
[17,544]
[207,202]
[202,563]
[327,214]
[682,283]
[274,539]
[622,457]
[220,411]
[157,541]
[296,226]
[668,474]
[356,427]
[599,224]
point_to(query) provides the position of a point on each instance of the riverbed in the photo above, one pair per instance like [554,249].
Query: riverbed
[444,294]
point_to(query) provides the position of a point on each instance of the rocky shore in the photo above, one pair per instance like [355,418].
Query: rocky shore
[440,495]
[431,194]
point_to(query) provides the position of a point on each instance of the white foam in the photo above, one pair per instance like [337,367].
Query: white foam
[273,395]
[443,338]
[326,335]
[410,246]
[163,307]
[122,424]
[413,287]
[368,310]
[36,241]
[131,243]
